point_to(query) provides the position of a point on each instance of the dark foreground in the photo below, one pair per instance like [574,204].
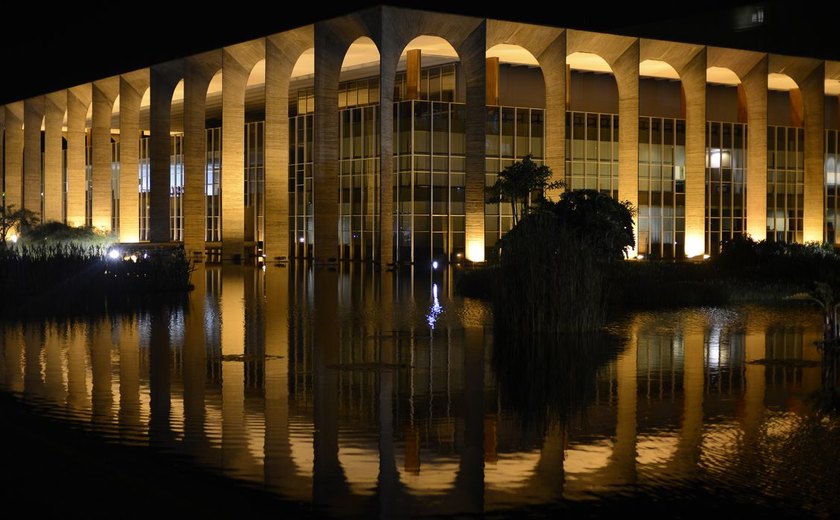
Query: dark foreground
[62,468]
[57,469]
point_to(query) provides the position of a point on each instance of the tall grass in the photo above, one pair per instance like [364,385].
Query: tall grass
[548,280]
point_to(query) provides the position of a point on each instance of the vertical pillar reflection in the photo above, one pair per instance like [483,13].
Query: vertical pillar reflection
[129,347]
[755,383]
[100,363]
[691,433]
[33,385]
[388,476]
[76,373]
[234,450]
[328,477]
[195,367]
[470,480]
[623,460]
[53,374]
[160,379]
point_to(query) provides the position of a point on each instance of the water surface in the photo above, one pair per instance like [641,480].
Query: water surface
[377,394]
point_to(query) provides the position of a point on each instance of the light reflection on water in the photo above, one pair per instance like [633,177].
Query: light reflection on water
[336,386]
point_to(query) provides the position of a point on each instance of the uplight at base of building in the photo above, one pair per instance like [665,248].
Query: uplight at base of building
[694,246]
[475,251]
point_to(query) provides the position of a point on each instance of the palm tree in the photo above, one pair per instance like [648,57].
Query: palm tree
[520,183]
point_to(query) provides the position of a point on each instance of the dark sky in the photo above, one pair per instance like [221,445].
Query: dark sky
[50,51]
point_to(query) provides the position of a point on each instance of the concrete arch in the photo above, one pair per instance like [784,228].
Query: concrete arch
[282,53]
[690,63]
[162,81]
[548,46]
[751,68]
[133,87]
[809,75]
[237,63]
[199,73]
[55,109]
[622,55]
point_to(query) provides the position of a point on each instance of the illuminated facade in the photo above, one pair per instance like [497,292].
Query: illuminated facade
[352,140]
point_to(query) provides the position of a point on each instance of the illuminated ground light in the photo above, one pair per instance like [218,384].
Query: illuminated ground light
[114,254]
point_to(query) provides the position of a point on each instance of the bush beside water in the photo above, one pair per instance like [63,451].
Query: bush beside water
[54,266]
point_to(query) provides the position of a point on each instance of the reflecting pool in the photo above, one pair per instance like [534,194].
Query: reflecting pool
[376,394]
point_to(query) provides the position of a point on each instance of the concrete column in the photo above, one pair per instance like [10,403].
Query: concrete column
[328,58]
[553,63]
[55,107]
[281,54]
[474,64]
[234,79]
[198,72]
[33,116]
[163,79]
[813,98]
[389,56]
[131,94]
[626,69]
[103,95]
[14,155]
[755,87]
[78,100]
[413,60]
[237,63]
[693,76]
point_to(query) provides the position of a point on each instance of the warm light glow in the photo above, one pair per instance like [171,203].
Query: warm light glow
[780,82]
[832,87]
[475,250]
[694,244]
[657,69]
[513,54]
[588,61]
[722,76]
[13,238]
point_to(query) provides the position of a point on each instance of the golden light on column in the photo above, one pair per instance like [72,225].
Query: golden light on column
[694,242]
[475,249]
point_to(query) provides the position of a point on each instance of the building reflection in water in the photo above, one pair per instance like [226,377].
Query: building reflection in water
[369,392]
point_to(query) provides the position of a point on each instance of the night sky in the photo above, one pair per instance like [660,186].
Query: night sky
[58,50]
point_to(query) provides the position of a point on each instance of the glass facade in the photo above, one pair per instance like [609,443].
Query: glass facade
[358,179]
[255,181]
[145,174]
[785,183]
[212,187]
[726,182]
[661,217]
[176,189]
[832,179]
[511,133]
[301,218]
[430,176]
[115,186]
[88,180]
[592,152]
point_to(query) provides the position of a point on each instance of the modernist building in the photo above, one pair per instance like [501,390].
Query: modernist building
[372,136]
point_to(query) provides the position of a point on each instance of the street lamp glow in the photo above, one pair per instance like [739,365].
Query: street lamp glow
[114,254]
[434,264]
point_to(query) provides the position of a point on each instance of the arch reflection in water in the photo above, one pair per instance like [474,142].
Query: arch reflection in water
[332,387]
